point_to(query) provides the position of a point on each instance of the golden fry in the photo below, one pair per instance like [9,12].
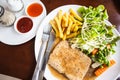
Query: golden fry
[59,27]
[76,28]
[72,18]
[69,26]
[72,27]
[59,15]
[52,22]
[64,37]
[79,27]
[78,22]
[66,22]
[72,35]
[66,25]
[64,29]
[75,14]
[63,21]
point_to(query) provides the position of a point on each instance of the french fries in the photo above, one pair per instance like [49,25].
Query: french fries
[72,12]
[66,25]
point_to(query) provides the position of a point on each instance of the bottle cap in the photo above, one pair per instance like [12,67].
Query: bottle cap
[1,10]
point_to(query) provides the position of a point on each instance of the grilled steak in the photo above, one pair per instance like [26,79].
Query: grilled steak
[71,62]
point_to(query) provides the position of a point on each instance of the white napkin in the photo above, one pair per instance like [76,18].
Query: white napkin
[6,77]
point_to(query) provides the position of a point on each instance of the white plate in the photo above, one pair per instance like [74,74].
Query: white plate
[110,74]
[9,36]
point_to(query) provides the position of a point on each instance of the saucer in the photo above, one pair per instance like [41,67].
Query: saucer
[9,36]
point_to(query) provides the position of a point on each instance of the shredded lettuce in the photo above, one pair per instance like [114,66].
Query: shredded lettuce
[95,33]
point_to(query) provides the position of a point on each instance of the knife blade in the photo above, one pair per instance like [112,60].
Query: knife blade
[40,60]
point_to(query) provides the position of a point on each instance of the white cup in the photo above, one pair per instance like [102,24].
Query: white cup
[15,5]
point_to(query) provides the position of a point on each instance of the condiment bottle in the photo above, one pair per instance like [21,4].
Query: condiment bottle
[7,18]
[15,5]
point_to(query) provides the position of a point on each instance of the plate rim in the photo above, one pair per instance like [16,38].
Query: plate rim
[53,11]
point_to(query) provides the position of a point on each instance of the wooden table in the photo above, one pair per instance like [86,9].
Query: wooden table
[19,61]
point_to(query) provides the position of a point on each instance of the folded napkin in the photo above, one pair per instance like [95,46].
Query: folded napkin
[6,77]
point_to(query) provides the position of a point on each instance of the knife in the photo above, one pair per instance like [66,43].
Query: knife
[43,54]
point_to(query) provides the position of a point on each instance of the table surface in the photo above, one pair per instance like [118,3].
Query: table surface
[19,61]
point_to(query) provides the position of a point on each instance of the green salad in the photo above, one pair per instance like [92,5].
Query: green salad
[96,38]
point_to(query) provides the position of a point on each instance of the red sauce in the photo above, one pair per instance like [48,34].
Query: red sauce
[24,25]
[34,10]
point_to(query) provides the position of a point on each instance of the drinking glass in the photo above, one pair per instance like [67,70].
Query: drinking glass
[15,5]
